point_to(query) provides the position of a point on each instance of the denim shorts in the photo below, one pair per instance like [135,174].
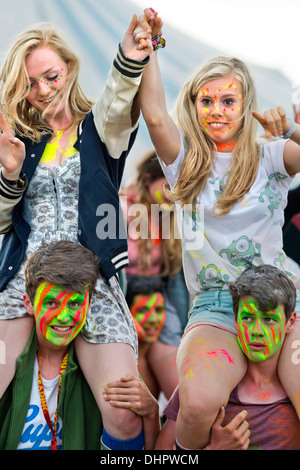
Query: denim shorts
[215,308]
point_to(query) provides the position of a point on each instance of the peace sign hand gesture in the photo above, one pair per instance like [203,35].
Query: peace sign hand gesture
[12,152]
[274,122]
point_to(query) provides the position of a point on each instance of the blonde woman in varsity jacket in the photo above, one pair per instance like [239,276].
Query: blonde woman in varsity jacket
[62,157]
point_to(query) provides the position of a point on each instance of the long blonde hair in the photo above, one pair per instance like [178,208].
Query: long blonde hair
[201,149]
[23,118]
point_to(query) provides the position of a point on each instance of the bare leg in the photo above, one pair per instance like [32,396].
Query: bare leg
[148,375]
[162,359]
[289,366]
[210,364]
[104,363]
[14,335]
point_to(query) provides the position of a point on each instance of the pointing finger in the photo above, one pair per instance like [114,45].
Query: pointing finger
[259,117]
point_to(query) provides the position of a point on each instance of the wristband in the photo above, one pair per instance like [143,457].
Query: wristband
[291,130]
[20,182]
[158,42]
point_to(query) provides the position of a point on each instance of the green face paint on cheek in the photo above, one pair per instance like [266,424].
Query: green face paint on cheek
[260,334]
[59,314]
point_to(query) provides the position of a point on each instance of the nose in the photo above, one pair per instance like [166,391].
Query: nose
[63,315]
[257,330]
[43,88]
[216,110]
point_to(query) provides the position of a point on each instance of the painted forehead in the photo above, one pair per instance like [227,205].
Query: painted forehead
[228,84]
[251,305]
[54,291]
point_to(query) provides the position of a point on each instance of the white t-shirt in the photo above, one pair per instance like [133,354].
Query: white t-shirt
[36,434]
[216,249]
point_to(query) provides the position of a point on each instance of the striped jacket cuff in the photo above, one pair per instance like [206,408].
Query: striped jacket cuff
[120,261]
[8,191]
[129,67]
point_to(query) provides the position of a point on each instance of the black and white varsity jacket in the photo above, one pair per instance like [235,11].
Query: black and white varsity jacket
[105,138]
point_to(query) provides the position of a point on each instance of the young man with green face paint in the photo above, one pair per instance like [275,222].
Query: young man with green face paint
[264,301]
[264,306]
[260,333]
[49,387]
[59,314]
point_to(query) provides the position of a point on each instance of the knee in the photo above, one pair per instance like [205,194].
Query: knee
[124,424]
[199,408]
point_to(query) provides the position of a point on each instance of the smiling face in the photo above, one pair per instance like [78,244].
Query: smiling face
[59,314]
[260,334]
[150,314]
[47,74]
[219,108]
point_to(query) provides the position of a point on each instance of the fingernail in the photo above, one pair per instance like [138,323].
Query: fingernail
[153,11]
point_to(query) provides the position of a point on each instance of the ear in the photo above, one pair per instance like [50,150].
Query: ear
[290,325]
[27,304]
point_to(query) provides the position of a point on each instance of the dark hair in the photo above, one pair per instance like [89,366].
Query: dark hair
[63,263]
[142,285]
[149,169]
[268,285]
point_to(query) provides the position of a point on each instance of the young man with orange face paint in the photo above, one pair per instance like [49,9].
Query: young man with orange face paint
[147,306]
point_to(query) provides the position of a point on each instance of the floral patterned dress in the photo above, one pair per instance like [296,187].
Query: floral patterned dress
[51,209]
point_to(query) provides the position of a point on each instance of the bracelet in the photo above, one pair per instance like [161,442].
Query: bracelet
[20,182]
[291,130]
[158,42]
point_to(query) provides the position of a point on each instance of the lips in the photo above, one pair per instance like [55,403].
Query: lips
[257,346]
[61,329]
[48,101]
[217,125]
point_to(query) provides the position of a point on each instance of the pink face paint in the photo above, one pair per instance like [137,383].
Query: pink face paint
[260,334]
[59,314]
[218,353]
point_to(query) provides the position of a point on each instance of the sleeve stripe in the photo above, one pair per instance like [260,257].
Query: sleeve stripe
[9,192]
[129,67]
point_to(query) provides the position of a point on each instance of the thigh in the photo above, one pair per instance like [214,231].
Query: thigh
[209,363]
[162,360]
[101,364]
[109,319]
[14,335]
[289,366]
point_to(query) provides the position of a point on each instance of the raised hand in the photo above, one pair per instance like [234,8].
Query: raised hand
[12,152]
[273,121]
[151,23]
[129,44]
[296,114]
[154,21]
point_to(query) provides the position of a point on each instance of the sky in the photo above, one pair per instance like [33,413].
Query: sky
[264,32]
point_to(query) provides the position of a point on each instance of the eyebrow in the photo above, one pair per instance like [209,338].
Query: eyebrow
[225,95]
